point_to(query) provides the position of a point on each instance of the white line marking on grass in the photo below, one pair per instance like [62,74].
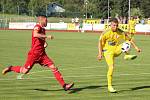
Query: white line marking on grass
[82,68]
[45,70]
[83,76]
[140,64]
[103,75]
[98,66]
[38,71]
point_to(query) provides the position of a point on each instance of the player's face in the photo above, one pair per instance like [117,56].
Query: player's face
[42,21]
[131,18]
[45,22]
[114,26]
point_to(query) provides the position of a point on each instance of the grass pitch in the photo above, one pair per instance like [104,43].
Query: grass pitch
[77,55]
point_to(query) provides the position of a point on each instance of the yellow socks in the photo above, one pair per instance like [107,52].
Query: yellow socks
[109,80]
[109,76]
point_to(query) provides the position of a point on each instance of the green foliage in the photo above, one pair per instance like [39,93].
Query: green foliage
[96,8]
[14,6]
[145,7]
[136,12]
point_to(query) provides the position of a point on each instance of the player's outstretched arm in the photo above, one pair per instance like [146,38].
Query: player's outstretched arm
[135,46]
[132,43]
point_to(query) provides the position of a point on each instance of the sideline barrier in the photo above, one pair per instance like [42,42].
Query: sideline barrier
[75,27]
[24,25]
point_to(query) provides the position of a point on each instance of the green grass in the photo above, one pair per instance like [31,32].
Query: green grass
[76,53]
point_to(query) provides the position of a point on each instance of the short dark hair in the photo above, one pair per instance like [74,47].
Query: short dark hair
[40,15]
[115,20]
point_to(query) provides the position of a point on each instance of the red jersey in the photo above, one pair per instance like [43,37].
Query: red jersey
[38,43]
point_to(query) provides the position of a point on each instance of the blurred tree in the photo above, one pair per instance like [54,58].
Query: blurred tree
[102,6]
[145,7]
[14,7]
[96,8]
[136,12]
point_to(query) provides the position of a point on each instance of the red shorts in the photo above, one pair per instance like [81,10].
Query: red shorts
[43,60]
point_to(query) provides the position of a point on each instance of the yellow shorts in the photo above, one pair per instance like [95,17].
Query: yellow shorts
[111,53]
[132,31]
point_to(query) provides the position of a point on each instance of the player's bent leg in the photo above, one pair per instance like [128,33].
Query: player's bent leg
[16,69]
[130,57]
[60,79]
[19,69]
[118,51]
[11,68]
[126,46]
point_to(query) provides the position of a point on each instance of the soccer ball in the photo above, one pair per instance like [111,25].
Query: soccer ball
[126,47]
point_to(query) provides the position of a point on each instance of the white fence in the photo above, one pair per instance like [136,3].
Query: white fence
[70,26]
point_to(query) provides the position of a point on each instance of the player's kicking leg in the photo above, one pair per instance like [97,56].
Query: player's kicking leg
[125,47]
[130,57]
[16,69]
[19,69]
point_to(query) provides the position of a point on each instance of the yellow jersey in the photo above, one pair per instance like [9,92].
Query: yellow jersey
[148,22]
[132,24]
[110,40]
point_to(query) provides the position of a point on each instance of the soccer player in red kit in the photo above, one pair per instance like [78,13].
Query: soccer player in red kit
[38,55]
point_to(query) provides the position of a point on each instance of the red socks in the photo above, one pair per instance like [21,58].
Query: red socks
[59,77]
[15,69]
[56,73]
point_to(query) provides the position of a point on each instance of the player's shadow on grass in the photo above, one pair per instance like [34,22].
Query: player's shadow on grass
[135,88]
[75,90]
[38,89]
[140,87]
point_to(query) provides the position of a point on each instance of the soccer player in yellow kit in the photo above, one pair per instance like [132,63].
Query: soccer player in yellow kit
[109,46]
[132,24]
